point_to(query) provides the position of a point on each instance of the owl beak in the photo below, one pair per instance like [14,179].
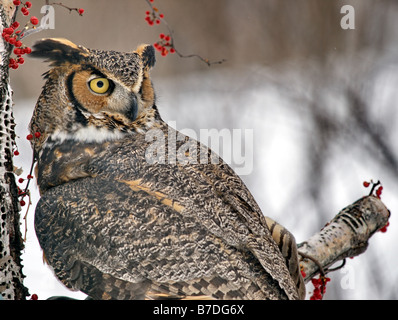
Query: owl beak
[132,110]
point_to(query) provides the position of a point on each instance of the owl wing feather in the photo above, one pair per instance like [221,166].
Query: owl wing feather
[154,231]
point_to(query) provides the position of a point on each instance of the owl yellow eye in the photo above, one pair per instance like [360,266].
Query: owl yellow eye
[99,85]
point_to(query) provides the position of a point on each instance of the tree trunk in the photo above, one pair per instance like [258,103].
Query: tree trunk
[11,243]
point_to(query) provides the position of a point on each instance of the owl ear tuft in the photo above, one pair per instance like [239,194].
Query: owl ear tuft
[58,51]
[147,54]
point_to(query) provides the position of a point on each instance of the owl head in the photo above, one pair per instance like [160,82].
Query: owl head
[92,95]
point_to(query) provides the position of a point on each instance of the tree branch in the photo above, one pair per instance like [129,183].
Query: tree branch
[346,235]
[170,43]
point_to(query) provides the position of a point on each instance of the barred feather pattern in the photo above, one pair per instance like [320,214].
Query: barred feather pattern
[180,230]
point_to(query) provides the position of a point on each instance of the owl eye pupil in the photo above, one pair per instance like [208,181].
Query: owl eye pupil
[100,85]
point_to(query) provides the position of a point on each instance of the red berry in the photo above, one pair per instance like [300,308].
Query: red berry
[18,43]
[167,38]
[34,297]
[12,41]
[29,177]
[157,21]
[8,30]
[17,2]
[384,229]
[147,13]
[161,36]
[29,137]
[28,4]
[34,20]
[172,50]
[20,180]
[21,60]
[16,153]
[161,16]
[366,184]
[15,25]
[25,11]
[22,203]
[37,134]
[81,11]
[27,50]
[379,191]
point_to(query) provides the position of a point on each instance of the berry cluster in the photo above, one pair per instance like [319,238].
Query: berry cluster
[23,193]
[164,45]
[27,5]
[153,17]
[13,35]
[30,136]
[319,287]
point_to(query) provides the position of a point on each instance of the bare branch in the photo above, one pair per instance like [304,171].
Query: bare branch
[171,43]
[78,10]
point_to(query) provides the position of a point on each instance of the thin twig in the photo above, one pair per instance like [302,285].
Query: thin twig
[337,268]
[374,185]
[64,6]
[26,216]
[31,31]
[26,191]
[172,41]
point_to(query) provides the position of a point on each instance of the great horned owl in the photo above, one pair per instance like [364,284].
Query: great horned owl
[117,225]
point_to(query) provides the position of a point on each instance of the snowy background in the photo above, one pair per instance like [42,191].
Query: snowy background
[321,103]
